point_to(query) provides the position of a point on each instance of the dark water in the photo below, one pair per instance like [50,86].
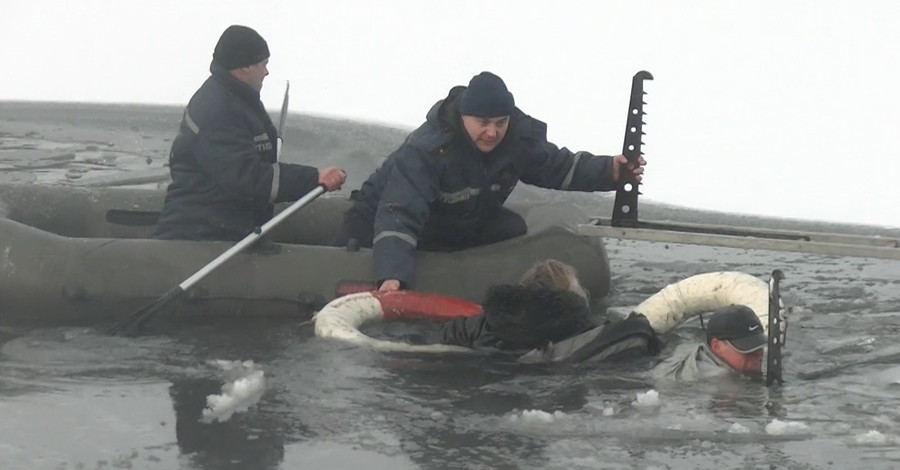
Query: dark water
[77,399]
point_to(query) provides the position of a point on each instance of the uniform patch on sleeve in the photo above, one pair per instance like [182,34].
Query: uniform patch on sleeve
[262,142]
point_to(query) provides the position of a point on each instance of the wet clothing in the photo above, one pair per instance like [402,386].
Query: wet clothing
[519,318]
[623,340]
[225,174]
[689,363]
[438,191]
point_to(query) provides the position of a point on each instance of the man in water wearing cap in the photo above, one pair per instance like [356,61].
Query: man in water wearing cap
[224,160]
[735,342]
[444,188]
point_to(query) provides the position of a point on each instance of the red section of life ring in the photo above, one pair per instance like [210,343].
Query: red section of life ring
[412,304]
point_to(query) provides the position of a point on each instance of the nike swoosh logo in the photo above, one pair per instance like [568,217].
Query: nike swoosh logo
[754,327]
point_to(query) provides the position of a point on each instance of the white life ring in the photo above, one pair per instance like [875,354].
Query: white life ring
[704,293]
[342,317]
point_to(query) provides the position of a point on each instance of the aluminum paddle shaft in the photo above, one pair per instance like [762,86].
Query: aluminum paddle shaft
[250,239]
[134,321]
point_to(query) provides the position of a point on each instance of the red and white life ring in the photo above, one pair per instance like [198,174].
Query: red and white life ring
[342,317]
[665,310]
[703,293]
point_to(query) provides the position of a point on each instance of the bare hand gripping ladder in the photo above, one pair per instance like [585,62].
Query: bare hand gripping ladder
[625,210]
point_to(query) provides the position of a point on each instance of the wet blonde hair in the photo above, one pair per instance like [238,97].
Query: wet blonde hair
[553,274]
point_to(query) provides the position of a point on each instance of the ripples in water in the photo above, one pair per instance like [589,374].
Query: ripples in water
[117,403]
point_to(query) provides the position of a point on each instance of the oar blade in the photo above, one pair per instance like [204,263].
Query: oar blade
[133,323]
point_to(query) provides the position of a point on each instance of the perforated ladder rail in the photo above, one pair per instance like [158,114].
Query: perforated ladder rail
[777,331]
[625,210]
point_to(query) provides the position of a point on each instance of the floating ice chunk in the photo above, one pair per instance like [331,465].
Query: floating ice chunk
[648,399]
[738,428]
[606,407]
[856,344]
[537,416]
[619,313]
[891,376]
[70,334]
[779,428]
[871,437]
[229,366]
[237,396]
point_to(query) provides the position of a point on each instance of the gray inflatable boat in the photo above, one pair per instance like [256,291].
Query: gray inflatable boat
[82,256]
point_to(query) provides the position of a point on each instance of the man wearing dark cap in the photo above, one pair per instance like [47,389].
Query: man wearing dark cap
[224,160]
[444,188]
[735,342]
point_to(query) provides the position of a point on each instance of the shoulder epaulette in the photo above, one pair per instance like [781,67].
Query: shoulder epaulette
[531,128]
[430,139]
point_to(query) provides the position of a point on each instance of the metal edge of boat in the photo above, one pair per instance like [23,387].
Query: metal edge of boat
[749,238]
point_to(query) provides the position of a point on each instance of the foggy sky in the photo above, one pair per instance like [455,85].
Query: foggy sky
[776,108]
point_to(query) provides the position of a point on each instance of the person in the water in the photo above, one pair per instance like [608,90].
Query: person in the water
[546,316]
[548,304]
[735,343]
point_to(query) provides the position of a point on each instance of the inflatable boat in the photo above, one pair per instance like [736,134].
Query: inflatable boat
[82,256]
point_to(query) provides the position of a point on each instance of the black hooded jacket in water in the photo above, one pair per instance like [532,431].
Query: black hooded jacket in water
[518,318]
[548,326]
[613,341]
[225,176]
[439,186]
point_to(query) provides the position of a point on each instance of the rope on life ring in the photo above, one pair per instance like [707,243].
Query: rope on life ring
[703,293]
[342,317]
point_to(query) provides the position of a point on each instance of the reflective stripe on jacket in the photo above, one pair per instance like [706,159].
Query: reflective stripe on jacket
[225,174]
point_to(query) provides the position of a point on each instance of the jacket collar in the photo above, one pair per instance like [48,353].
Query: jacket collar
[240,88]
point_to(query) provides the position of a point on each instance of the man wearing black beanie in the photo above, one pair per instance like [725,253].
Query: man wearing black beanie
[444,188]
[224,160]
